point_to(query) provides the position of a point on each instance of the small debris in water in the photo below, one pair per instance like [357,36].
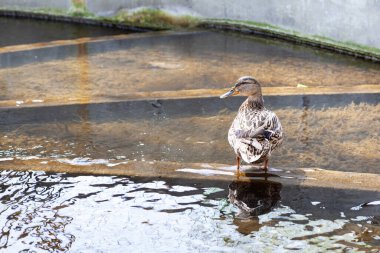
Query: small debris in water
[300,85]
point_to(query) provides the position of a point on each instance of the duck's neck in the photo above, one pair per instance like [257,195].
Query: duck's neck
[256,101]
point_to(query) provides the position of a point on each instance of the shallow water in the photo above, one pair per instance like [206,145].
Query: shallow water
[57,212]
[339,138]
[170,62]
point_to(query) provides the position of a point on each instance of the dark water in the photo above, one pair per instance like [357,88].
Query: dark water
[57,213]
[17,31]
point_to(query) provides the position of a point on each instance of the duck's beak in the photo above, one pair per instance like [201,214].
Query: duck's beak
[229,93]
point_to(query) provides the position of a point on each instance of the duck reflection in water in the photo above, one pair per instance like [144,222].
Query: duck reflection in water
[253,198]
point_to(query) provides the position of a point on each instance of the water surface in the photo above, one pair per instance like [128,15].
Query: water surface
[58,213]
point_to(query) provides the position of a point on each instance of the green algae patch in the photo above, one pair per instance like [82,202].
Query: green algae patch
[346,47]
[79,9]
[155,19]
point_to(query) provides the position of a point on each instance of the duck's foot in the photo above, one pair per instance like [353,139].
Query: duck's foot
[265,166]
[239,174]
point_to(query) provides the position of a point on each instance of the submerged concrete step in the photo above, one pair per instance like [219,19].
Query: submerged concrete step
[170,104]
[306,177]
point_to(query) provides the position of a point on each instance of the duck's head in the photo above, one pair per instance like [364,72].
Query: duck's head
[245,86]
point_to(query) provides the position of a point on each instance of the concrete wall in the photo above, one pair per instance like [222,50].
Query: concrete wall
[54,4]
[343,20]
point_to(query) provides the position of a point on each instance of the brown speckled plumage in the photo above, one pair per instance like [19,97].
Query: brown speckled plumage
[255,131]
[249,118]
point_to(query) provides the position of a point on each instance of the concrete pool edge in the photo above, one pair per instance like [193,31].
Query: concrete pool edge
[305,177]
[345,48]
[197,93]
[267,31]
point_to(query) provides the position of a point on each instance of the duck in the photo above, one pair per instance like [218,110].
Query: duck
[256,131]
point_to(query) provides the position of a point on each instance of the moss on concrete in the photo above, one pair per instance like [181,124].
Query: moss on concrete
[267,29]
[156,19]
[79,9]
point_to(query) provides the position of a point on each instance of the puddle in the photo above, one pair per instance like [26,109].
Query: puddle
[58,212]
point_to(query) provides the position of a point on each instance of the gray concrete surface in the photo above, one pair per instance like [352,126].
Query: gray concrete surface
[343,20]
[20,4]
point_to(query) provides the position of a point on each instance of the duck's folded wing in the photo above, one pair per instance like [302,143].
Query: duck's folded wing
[273,126]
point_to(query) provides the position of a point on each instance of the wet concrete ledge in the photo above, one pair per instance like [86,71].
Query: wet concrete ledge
[306,177]
[149,108]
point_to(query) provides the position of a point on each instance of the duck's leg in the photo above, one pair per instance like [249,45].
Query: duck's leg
[266,163]
[238,166]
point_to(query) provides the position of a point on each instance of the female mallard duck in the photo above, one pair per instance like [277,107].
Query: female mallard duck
[256,131]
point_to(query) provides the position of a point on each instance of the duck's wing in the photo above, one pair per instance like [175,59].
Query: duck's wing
[265,125]
[273,128]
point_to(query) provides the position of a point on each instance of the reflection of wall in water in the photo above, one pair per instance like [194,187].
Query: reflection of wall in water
[84,90]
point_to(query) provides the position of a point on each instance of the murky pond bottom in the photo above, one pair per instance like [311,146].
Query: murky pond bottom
[58,212]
